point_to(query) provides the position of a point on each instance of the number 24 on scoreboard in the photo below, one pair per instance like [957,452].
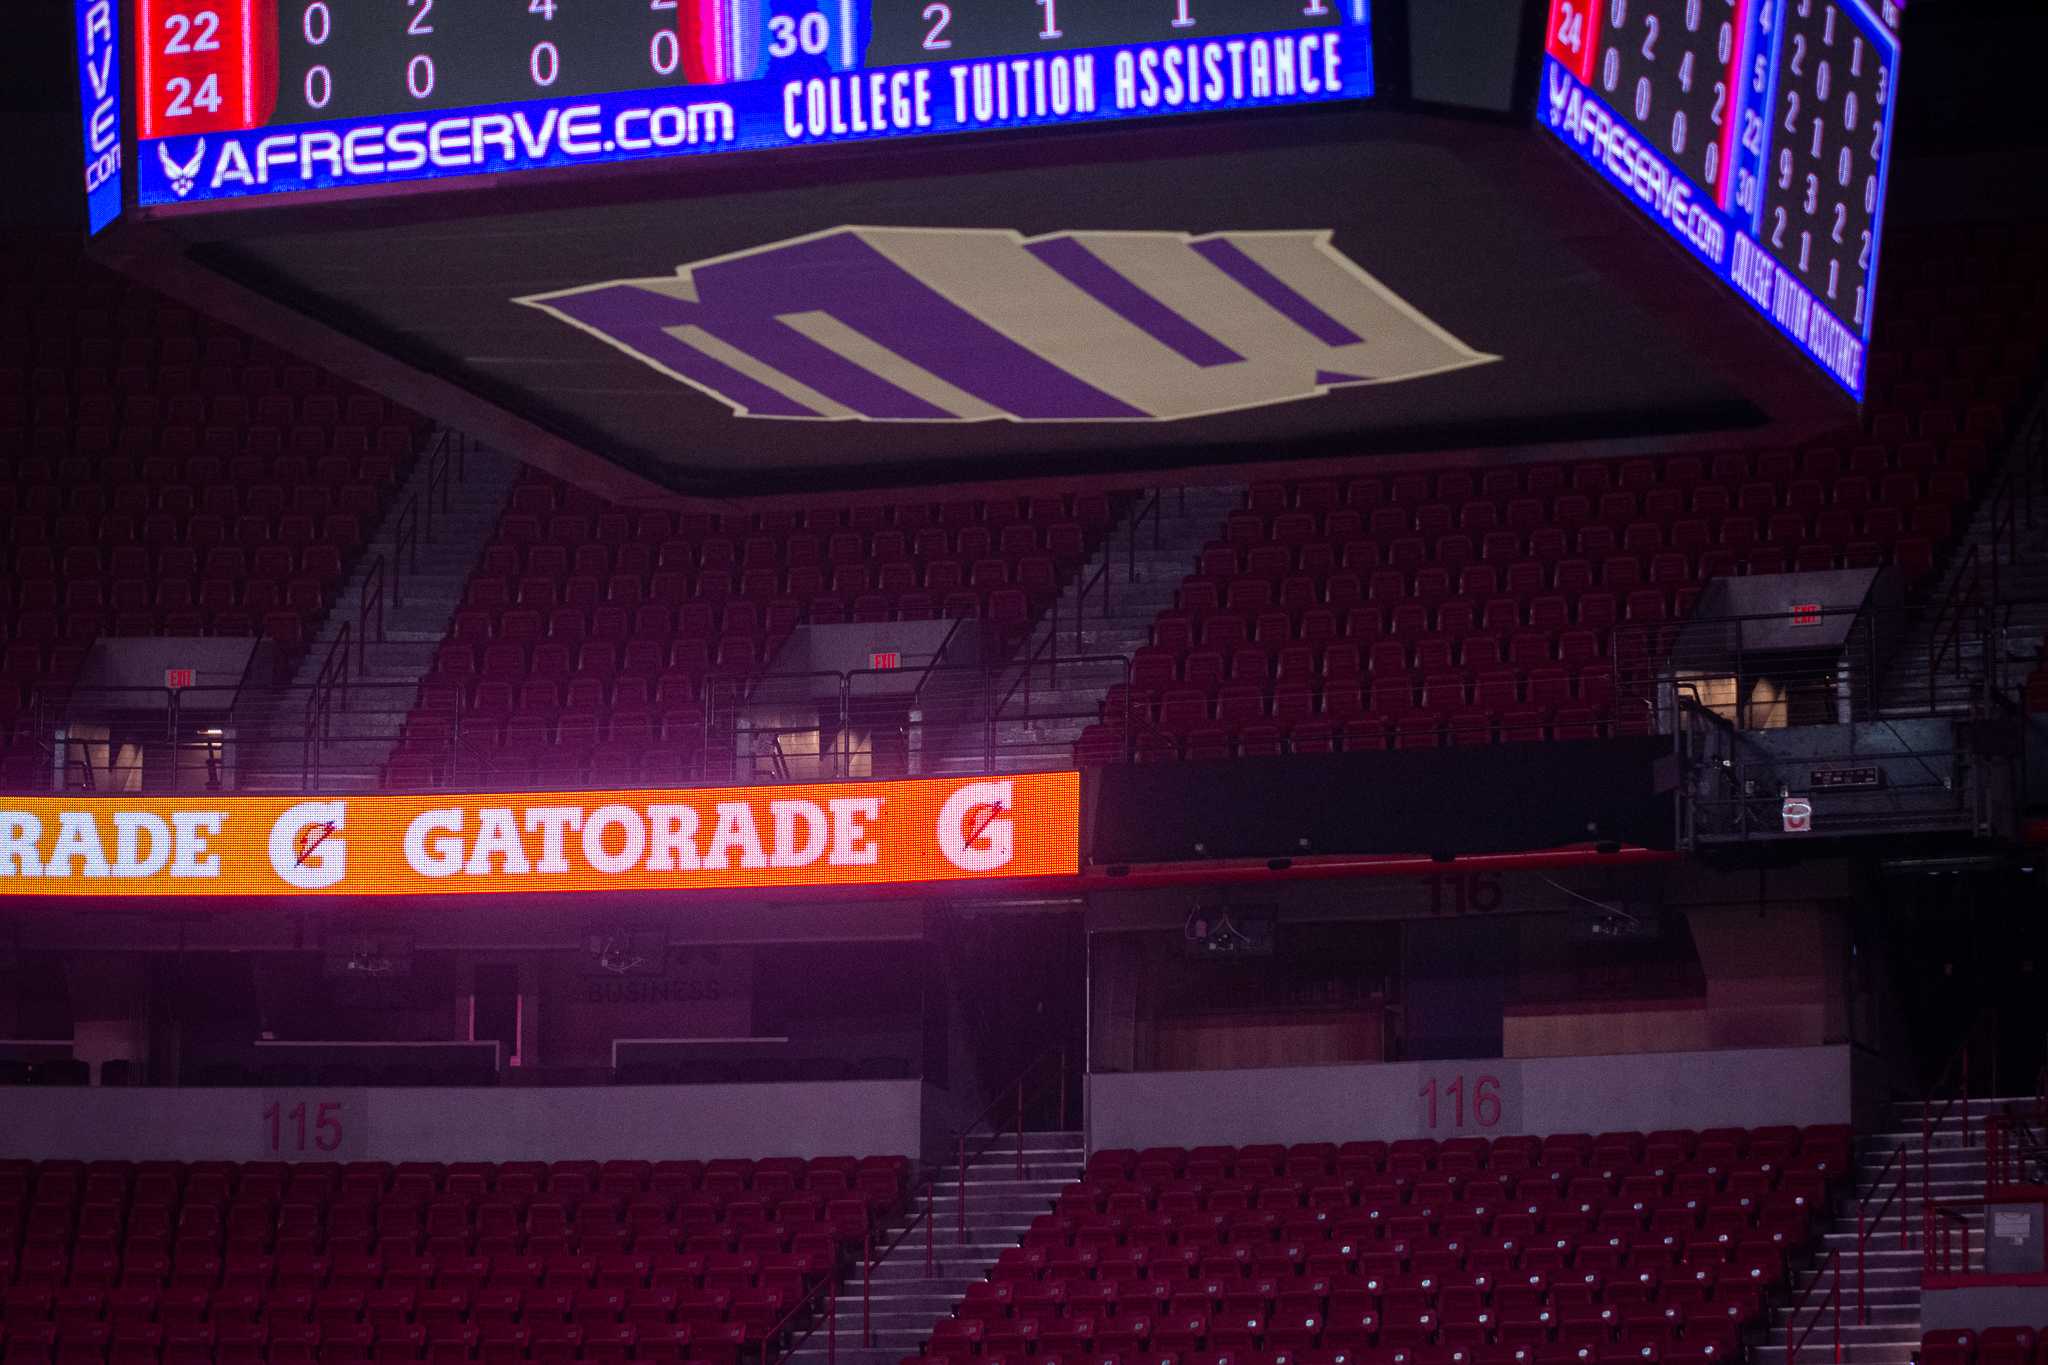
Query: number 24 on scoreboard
[1574,34]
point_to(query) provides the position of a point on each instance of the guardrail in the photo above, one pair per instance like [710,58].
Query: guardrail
[870,1258]
[1976,585]
[329,693]
[1945,1238]
[825,724]
[1868,1223]
[2016,1145]
[1797,1337]
[827,1290]
[1099,583]
[958,722]
[1028,1086]
[369,607]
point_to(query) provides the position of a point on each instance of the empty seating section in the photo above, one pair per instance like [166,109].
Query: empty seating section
[157,1263]
[1990,1346]
[1510,603]
[1523,602]
[166,475]
[588,633]
[1573,1248]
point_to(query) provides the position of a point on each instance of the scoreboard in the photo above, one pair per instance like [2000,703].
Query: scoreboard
[238,98]
[1756,132]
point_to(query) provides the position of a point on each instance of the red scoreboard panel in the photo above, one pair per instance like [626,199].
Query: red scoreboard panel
[204,65]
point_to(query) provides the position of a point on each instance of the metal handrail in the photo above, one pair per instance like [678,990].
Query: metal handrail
[723,696]
[1151,509]
[369,602]
[415,520]
[1867,1225]
[1966,589]
[405,547]
[333,677]
[1830,1269]
[870,1258]
[988,1112]
[828,1288]
[1944,1230]
[2011,1148]
[2012,497]
[1978,578]
[1050,642]
[446,459]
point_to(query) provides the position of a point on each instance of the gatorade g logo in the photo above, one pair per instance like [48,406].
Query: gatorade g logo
[977,826]
[876,324]
[306,847]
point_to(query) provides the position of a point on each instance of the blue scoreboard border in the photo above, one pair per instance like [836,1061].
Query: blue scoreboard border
[758,114]
[100,96]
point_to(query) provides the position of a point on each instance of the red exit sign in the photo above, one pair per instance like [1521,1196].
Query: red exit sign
[1806,613]
[884,659]
[177,679]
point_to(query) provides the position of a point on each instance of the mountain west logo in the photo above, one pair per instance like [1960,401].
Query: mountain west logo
[970,325]
[182,177]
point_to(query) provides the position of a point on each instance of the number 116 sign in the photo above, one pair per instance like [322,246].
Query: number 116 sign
[1468,1102]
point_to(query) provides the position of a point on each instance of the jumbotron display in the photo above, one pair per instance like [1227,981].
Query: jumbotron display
[255,97]
[1757,132]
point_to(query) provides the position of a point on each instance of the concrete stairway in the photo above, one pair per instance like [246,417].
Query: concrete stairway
[1043,715]
[270,726]
[907,1299]
[1891,1274]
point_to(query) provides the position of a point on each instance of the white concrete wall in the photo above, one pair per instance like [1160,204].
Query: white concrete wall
[852,1118]
[1494,1097]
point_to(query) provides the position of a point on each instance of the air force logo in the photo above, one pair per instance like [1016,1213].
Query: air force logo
[182,176]
[971,325]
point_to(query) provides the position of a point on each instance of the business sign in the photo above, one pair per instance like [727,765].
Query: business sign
[837,834]
[99,106]
[252,97]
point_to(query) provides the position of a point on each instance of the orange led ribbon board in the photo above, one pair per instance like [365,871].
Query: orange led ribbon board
[825,835]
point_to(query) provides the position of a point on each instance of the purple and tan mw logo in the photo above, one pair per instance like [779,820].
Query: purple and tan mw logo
[971,324]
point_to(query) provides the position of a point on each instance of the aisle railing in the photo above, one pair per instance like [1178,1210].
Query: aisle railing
[1029,1086]
[1829,1303]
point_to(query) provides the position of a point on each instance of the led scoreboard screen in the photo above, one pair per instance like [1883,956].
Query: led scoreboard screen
[1756,132]
[234,98]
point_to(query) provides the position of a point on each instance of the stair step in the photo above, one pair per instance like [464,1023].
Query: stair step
[272,752]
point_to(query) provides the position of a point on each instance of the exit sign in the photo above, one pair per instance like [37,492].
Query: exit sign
[1806,613]
[177,679]
[883,660]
